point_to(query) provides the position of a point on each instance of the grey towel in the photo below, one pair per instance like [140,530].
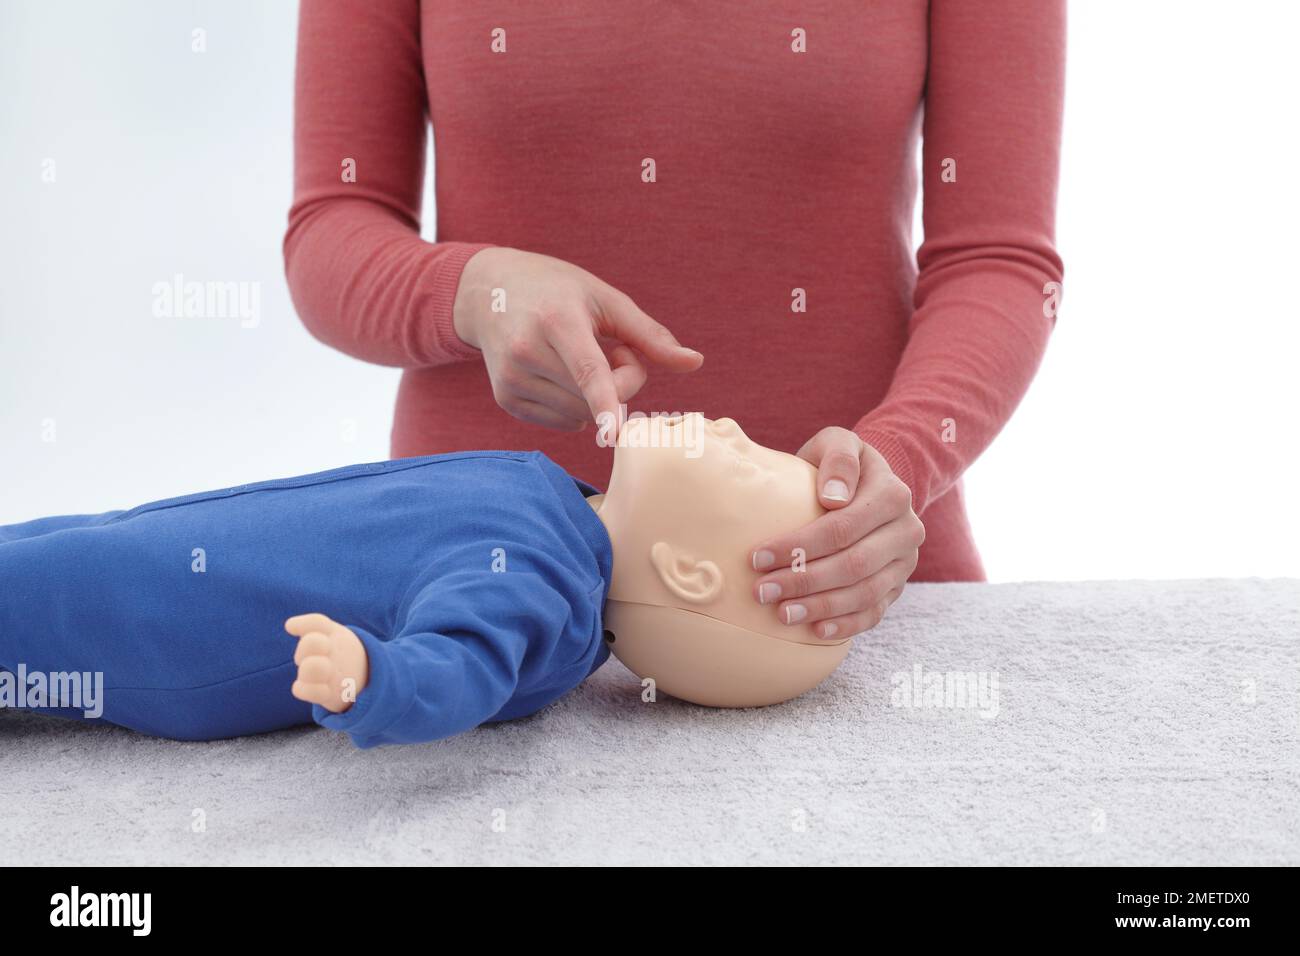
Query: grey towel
[1133,722]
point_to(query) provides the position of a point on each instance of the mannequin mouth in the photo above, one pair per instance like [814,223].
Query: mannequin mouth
[664,430]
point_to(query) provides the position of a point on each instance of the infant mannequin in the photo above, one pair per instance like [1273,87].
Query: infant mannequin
[444,592]
[687,497]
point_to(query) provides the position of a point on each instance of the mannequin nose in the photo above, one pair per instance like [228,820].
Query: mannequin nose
[729,427]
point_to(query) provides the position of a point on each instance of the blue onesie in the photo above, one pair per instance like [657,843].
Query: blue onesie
[475,581]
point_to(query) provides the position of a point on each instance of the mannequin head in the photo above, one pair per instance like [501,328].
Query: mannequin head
[688,500]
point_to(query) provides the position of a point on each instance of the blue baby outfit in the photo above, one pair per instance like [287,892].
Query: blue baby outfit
[475,581]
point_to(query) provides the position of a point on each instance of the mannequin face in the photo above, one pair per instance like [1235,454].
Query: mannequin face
[688,500]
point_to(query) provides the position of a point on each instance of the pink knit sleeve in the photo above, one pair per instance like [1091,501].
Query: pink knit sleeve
[361,277]
[980,324]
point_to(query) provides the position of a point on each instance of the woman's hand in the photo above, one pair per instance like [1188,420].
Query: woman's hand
[859,554]
[544,352]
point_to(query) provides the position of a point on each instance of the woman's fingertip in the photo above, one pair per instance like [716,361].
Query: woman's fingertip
[695,358]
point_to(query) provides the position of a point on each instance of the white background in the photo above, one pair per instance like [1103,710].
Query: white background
[1158,441]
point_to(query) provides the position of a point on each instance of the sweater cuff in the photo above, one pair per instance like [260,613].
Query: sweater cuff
[388,695]
[891,449]
[439,342]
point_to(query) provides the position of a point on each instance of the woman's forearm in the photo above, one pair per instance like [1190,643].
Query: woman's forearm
[361,277]
[364,282]
[989,278]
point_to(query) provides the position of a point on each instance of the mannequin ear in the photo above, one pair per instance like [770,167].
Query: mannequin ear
[697,582]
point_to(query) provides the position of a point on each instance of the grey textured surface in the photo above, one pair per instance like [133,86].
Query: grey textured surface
[1137,723]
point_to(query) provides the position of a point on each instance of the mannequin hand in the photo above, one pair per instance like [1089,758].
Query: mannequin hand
[543,353]
[332,665]
[859,554]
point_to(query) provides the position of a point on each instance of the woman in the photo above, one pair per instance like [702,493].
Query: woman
[745,175]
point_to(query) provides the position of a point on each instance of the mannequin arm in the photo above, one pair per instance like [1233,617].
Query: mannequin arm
[467,642]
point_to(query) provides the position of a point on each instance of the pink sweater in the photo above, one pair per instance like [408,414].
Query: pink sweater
[776,171]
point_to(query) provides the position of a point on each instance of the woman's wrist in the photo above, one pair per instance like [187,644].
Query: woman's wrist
[473,295]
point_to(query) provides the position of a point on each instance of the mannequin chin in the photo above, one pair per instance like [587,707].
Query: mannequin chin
[688,498]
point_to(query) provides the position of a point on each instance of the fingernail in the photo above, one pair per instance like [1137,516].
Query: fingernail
[768,592]
[835,490]
[829,630]
[763,559]
[794,613]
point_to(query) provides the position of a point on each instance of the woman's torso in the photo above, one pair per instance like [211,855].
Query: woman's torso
[776,171]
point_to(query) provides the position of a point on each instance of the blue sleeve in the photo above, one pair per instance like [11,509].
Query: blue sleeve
[469,640]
